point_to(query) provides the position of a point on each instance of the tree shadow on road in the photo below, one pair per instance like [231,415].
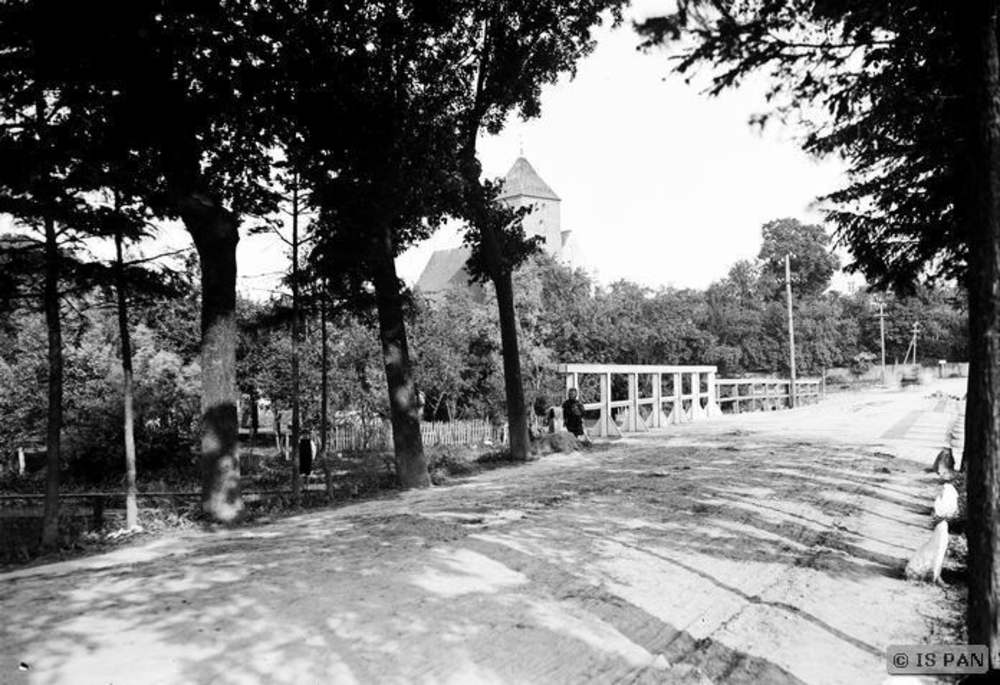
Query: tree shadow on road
[396,599]
[436,586]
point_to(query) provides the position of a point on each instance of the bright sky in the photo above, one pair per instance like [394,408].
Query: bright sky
[659,183]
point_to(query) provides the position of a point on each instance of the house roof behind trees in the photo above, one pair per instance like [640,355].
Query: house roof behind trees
[442,268]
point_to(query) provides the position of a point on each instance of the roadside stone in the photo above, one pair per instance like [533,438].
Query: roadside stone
[927,561]
[946,503]
[552,443]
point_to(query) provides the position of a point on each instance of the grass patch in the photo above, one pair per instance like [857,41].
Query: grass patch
[456,461]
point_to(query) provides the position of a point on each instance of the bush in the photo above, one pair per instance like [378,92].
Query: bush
[838,378]
[444,462]
[556,442]
[862,363]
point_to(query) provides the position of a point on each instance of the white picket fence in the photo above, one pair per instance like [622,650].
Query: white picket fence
[378,435]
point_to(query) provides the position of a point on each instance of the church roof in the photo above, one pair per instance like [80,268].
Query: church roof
[441,268]
[522,179]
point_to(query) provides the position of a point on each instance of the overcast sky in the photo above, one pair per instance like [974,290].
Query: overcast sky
[659,183]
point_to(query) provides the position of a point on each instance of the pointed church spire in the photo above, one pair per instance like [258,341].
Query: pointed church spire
[523,180]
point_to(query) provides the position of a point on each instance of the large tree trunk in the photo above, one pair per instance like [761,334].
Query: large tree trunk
[215,232]
[982,418]
[411,464]
[517,415]
[131,504]
[53,321]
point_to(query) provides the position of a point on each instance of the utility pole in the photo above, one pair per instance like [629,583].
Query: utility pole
[913,344]
[791,332]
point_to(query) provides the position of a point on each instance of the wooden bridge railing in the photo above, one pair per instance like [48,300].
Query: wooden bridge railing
[738,395]
[658,396]
[676,394]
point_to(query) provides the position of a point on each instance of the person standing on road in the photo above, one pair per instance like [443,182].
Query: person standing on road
[572,410]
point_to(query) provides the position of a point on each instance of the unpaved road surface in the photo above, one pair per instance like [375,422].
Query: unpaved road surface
[761,548]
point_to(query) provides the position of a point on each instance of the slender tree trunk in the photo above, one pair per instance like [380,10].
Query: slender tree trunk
[215,232]
[982,418]
[411,464]
[254,418]
[500,275]
[53,321]
[131,504]
[296,342]
[324,410]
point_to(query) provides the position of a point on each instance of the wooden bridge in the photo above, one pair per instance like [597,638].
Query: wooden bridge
[641,397]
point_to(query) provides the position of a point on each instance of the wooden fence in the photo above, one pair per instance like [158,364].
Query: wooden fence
[378,434]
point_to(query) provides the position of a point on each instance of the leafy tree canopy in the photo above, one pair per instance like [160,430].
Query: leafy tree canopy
[874,82]
[811,262]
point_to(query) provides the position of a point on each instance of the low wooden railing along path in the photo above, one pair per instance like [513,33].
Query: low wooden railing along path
[98,502]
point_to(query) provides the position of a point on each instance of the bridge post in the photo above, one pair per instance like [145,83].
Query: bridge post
[604,429]
[695,389]
[703,395]
[712,409]
[696,411]
[633,401]
[678,411]
[657,406]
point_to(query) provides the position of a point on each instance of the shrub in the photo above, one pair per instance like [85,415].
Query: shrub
[862,363]
[838,378]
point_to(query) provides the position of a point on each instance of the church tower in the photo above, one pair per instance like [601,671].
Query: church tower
[524,187]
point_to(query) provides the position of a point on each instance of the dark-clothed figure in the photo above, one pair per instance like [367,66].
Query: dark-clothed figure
[573,414]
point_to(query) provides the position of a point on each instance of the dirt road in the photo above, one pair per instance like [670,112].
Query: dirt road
[761,548]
